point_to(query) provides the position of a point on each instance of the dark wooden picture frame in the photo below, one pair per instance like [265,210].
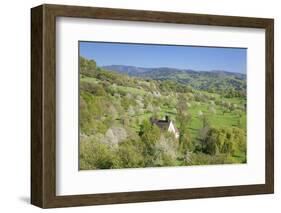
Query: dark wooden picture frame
[43,105]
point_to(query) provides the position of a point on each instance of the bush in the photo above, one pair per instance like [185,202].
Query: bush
[166,151]
[205,159]
[93,88]
[129,154]
[96,155]
[225,140]
[87,67]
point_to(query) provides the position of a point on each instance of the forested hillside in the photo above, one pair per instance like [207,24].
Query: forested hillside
[116,110]
[222,82]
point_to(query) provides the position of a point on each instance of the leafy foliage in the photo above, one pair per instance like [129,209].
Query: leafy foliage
[225,140]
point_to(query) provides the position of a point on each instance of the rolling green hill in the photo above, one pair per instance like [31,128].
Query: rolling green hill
[216,81]
[207,109]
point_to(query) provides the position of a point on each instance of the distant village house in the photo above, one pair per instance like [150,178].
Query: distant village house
[166,125]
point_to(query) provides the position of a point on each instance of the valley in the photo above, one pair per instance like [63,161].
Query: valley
[117,103]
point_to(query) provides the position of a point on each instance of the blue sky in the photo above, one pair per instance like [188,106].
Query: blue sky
[182,57]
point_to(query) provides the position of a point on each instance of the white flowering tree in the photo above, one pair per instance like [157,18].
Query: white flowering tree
[114,136]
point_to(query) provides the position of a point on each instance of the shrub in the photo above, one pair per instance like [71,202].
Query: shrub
[225,140]
[87,67]
[129,155]
[93,88]
[114,136]
[166,151]
[96,155]
[205,159]
[149,134]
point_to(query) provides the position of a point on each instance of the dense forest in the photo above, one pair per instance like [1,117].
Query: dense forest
[121,112]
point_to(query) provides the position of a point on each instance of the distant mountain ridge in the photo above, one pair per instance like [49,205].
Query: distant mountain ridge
[142,71]
[216,80]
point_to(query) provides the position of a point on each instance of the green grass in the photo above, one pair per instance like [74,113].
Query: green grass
[134,91]
[219,119]
[88,79]
[239,157]
[238,101]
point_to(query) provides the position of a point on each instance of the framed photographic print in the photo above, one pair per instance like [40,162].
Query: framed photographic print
[136,106]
